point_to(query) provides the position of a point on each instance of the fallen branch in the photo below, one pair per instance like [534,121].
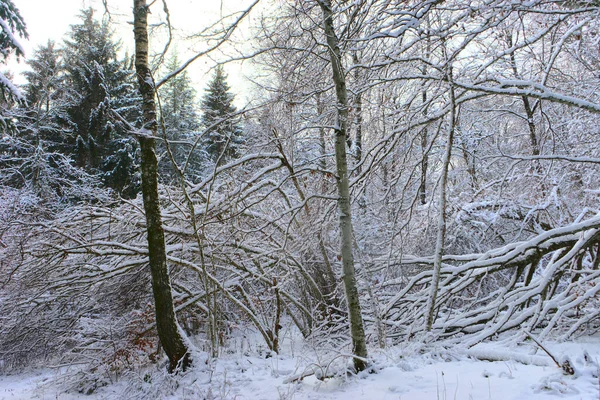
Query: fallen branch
[543,348]
[497,355]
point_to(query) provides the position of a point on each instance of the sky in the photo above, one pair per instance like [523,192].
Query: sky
[50,19]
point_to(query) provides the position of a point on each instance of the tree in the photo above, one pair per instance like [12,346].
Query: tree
[44,166]
[44,79]
[46,106]
[224,132]
[12,25]
[359,345]
[37,123]
[171,336]
[98,84]
[30,160]
[120,168]
[181,122]
[259,238]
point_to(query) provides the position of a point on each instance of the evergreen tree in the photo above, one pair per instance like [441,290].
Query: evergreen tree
[97,86]
[32,154]
[44,77]
[90,60]
[44,94]
[40,124]
[224,133]
[120,169]
[181,122]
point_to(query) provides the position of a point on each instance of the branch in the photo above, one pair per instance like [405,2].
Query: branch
[224,38]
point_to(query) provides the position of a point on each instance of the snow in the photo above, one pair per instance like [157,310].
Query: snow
[6,30]
[407,372]
[4,81]
[31,385]
[515,87]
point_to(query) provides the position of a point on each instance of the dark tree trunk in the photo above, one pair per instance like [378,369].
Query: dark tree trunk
[358,114]
[357,331]
[170,334]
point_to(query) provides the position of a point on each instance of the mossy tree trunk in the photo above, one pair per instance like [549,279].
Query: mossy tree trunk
[170,334]
[357,331]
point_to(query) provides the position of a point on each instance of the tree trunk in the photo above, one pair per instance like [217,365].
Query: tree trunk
[441,233]
[424,162]
[358,114]
[533,140]
[170,334]
[359,346]
[424,132]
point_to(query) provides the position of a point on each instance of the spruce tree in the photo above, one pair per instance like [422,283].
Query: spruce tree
[11,27]
[43,80]
[44,92]
[33,156]
[224,133]
[40,124]
[97,86]
[181,123]
[120,168]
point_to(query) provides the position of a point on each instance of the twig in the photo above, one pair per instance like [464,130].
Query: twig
[543,348]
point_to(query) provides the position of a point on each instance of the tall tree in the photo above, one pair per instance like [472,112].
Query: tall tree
[357,331]
[120,167]
[39,124]
[171,335]
[32,151]
[181,122]
[98,83]
[43,80]
[45,95]
[224,136]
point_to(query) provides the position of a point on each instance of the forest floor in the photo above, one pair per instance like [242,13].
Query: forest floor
[408,372]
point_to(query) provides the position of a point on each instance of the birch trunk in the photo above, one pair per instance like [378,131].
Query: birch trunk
[169,332]
[359,346]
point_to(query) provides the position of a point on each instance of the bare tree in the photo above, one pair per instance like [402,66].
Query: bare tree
[343,185]
[441,227]
[171,336]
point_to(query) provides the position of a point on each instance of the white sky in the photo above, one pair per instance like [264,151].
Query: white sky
[50,19]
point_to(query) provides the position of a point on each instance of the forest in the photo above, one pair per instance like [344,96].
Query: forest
[408,176]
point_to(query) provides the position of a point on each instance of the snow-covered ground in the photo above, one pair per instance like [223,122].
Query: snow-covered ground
[409,372]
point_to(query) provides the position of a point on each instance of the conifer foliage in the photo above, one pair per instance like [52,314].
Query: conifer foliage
[98,85]
[224,133]
[44,78]
[181,123]
[68,125]
[11,23]
[42,163]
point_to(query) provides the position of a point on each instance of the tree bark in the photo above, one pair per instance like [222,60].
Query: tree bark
[358,115]
[533,140]
[170,334]
[424,161]
[425,131]
[441,233]
[359,346]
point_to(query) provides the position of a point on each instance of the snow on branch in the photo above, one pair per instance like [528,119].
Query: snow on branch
[515,87]
[538,283]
